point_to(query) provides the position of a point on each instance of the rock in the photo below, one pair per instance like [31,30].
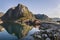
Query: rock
[1,14]
[1,28]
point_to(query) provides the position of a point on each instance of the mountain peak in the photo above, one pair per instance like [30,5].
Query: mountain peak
[19,5]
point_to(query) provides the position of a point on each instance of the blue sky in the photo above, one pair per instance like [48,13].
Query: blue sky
[48,7]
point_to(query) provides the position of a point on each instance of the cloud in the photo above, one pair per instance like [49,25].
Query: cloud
[55,12]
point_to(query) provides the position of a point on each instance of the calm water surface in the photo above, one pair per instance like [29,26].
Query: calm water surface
[4,35]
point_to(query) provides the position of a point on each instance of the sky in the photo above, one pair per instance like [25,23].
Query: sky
[50,8]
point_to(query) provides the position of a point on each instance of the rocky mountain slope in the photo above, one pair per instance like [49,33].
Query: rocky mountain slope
[20,12]
[42,17]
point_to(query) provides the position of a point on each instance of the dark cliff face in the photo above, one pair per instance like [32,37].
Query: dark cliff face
[16,13]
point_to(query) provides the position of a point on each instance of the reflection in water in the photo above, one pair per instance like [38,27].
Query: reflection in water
[4,35]
[13,28]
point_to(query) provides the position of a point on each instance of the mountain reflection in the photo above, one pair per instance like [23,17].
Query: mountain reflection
[13,28]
